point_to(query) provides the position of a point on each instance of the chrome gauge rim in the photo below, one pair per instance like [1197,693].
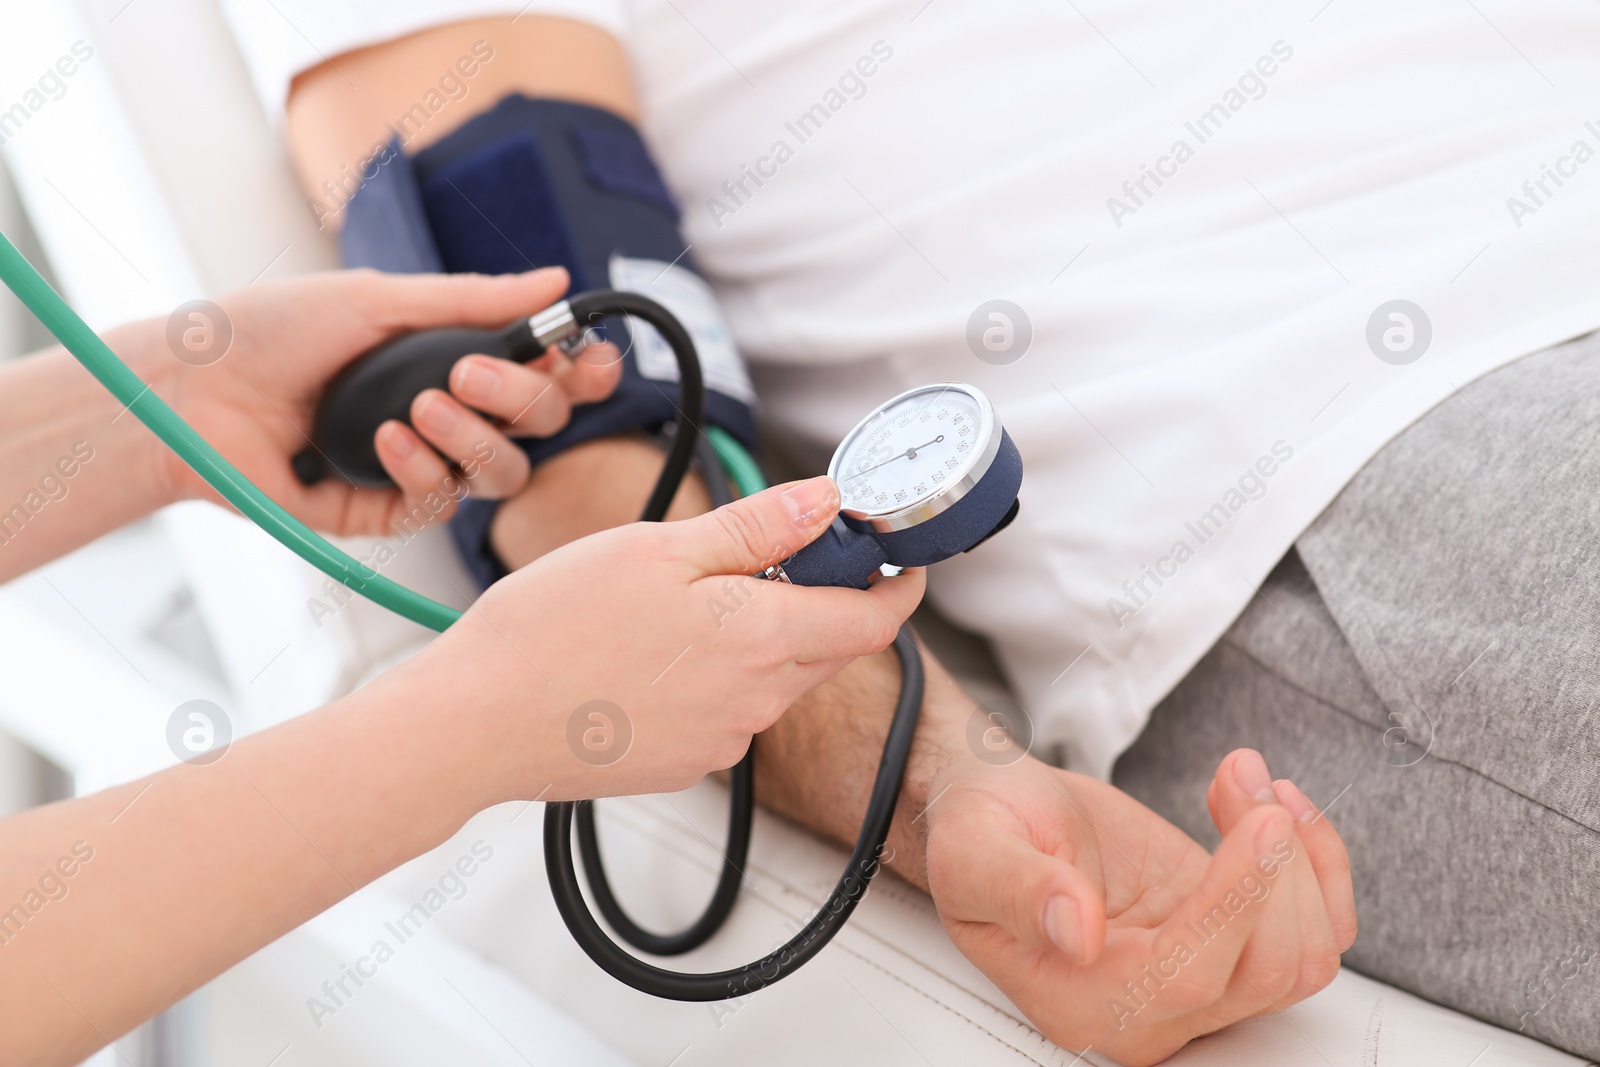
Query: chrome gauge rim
[946,496]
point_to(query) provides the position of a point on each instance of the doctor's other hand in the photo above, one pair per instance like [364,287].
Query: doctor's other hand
[1108,926]
[251,388]
[644,657]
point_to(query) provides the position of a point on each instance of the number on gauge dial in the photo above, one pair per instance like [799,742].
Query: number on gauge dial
[909,451]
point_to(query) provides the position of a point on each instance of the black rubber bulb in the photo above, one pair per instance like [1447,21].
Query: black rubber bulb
[381,384]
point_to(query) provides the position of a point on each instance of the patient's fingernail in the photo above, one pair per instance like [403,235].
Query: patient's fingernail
[1290,797]
[437,416]
[1061,925]
[1250,771]
[805,501]
[1272,836]
[476,381]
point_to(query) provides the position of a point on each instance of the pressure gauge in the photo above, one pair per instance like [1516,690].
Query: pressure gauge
[915,456]
[925,476]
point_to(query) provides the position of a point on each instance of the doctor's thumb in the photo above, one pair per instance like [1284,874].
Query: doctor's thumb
[749,535]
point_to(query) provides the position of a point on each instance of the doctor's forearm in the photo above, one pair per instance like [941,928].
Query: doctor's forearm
[113,906]
[73,464]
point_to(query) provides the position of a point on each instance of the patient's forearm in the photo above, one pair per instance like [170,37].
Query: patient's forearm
[587,488]
[816,765]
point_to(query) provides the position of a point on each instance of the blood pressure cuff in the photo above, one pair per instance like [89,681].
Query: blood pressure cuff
[535,183]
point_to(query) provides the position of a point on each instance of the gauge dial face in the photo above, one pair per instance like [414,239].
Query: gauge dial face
[910,451]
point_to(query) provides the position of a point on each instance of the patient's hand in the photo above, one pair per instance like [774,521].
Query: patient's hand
[1064,889]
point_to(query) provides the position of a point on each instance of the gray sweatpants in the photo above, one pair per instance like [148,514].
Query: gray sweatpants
[1425,664]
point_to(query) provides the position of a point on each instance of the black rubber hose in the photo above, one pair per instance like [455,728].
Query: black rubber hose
[741,812]
[688,440]
[829,919]
[589,309]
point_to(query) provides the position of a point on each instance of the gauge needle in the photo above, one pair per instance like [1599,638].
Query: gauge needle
[910,453]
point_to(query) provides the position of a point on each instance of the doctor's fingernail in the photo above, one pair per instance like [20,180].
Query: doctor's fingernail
[1061,925]
[476,380]
[805,501]
[1290,797]
[436,415]
[1250,771]
[552,272]
[397,441]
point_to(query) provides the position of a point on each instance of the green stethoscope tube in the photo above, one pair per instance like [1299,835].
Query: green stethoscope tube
[737,463]
[98,359]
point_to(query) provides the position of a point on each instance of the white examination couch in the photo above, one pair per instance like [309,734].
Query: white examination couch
[155,179]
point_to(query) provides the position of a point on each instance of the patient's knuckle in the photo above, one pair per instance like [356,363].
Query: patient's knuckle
[1336,863]
[1345,931]
[1202,988]
[1140,1053]
[1275,978]
[1316,971]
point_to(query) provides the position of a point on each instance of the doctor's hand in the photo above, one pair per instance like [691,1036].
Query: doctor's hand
[1064,890]
[642,658]
[256,400]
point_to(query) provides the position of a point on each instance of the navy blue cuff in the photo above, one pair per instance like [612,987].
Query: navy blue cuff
[534,183]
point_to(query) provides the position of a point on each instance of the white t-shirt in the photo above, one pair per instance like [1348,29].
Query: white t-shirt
[1204,212]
